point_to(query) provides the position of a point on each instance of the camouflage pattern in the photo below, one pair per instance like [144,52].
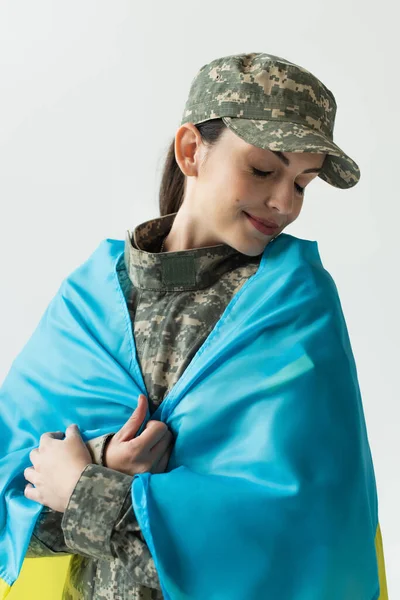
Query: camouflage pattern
[96,448]
[174,300]
[100,524]
[48,536]
[274,104]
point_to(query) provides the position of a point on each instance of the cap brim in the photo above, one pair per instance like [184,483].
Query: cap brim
[338,168]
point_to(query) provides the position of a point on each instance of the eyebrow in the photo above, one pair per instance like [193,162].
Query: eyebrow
[285,160]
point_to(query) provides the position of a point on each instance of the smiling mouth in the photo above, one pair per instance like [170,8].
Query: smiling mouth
[263,221]
[265,229]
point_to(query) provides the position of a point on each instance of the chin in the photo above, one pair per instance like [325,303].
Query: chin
[250,249]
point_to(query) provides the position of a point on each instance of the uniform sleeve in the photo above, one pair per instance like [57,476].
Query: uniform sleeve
[48,537]
[100,522]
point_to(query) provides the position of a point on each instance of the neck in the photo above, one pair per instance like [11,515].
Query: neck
[187,234]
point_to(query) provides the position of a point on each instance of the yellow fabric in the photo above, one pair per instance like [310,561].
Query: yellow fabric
[381,565]
[43,578]
[40,579]
[4,588]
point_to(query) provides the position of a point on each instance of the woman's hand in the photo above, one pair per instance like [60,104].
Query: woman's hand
[150,451]
[57,466]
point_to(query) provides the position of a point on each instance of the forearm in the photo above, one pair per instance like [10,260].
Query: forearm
[48,537]
[100,522]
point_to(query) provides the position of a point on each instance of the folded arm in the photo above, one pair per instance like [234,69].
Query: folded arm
[100,522]
[48,537]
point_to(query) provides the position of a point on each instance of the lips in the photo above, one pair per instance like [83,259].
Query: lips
[264,221]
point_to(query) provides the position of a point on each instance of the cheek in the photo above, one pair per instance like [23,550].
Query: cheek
[242,188]
[220,186]
[299,206]
[228,194]
[296,211]
[230,191]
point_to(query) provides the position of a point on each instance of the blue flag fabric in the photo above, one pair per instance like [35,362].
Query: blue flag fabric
[270,489]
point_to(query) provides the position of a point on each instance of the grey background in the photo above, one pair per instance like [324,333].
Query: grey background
[92,92]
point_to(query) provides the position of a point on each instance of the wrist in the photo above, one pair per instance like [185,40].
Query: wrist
[73,482]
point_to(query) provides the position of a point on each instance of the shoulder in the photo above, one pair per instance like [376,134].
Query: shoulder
[297,249]
[299,261]
[98,267]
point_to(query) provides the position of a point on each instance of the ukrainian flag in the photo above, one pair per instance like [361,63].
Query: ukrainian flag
[270,490]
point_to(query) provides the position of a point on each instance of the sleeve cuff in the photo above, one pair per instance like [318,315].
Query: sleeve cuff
[93,510]
[97,447]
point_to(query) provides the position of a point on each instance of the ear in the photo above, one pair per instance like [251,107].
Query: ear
[189,149]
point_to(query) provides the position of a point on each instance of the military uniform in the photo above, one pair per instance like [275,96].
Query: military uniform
[174,300]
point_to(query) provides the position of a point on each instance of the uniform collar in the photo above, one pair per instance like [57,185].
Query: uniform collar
[173,271]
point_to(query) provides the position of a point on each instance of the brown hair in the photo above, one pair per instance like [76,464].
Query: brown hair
[172,185]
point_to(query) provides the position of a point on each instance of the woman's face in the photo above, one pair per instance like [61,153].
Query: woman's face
[228,181]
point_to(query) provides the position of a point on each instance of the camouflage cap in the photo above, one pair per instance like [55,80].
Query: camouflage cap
[273,104]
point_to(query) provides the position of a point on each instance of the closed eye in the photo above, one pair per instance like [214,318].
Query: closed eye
[264,174]
[260,173]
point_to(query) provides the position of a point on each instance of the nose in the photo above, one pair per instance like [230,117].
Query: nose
[281,198]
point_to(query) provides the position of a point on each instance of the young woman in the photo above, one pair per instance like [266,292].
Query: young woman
[256,131]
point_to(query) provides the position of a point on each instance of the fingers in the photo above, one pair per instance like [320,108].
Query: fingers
[152,434]
[31,475]
[160,454]
[162,464]
[51,435]
[34,457]
[160,447]
[133,424]
[72,431]
[31,493]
